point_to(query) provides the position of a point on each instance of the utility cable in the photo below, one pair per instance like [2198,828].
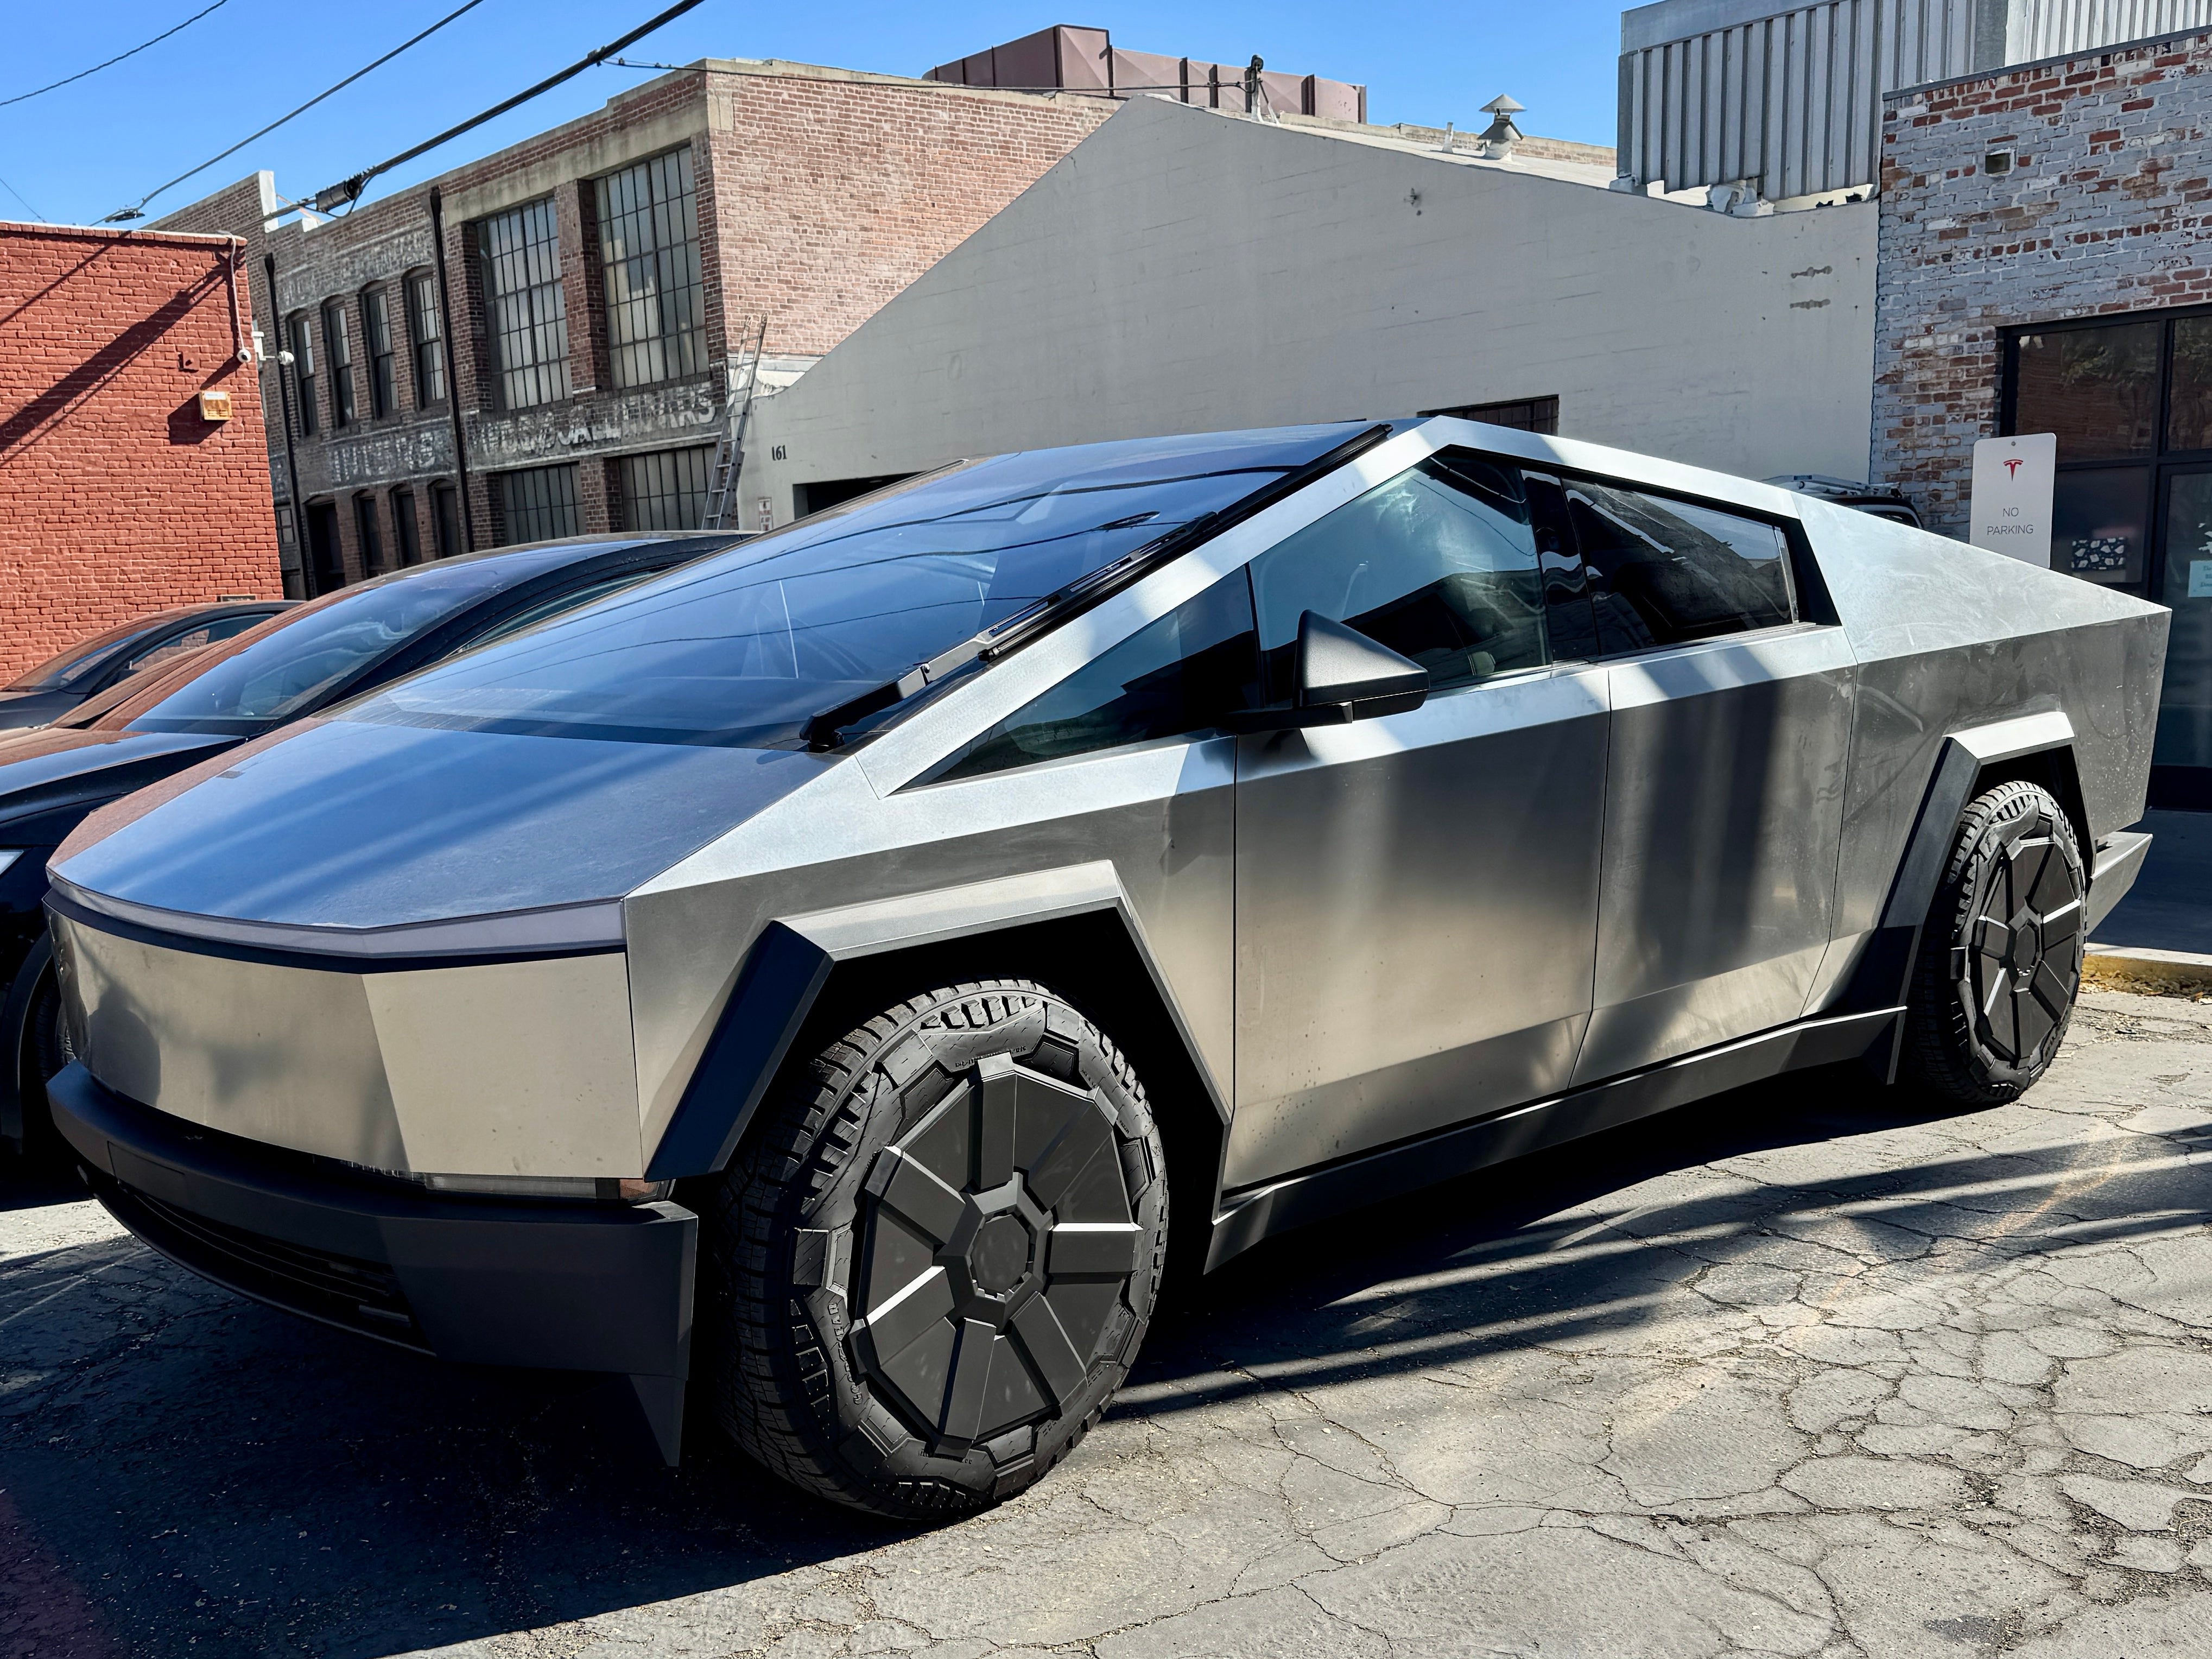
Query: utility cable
[137,210]
[348,190]
[65,80]
[24,200]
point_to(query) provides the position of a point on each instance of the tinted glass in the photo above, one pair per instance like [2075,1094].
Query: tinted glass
[191,640]
[1664,572]
[81,660]
[2097,388]
[2184,713]
[317,647]
[746,647]
[2099,523]
[1176,676]
[1439,564]
[2189,403]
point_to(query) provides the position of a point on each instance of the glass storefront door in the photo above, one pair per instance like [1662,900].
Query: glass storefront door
[2184,716]
[2130,400]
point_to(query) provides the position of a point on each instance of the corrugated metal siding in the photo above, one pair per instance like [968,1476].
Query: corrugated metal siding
[1793,100]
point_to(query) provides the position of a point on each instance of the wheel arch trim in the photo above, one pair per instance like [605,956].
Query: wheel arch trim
[792,960]
[1883,976]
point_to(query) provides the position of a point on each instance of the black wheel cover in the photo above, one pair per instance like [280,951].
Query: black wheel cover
[2022,945]
[1000,1244]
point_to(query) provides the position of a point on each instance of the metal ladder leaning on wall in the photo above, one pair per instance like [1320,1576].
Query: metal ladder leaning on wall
[730,452]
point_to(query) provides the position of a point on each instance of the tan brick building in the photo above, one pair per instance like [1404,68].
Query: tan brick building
[550,340]
[123,490]
[2046,266]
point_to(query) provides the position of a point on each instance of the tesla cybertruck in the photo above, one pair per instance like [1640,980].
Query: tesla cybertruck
[822,971]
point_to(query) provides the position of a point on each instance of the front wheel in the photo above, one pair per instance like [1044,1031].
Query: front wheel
[931,1270]
[2000,961]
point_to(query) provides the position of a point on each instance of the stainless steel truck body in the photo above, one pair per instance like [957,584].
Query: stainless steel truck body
[1270,821]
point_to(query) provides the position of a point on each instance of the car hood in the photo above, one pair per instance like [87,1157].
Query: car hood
[351,825]
[51,777]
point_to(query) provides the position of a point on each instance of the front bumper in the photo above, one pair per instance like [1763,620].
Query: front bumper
[490,1281]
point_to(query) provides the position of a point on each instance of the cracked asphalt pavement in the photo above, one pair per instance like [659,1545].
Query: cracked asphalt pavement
[1802,1370]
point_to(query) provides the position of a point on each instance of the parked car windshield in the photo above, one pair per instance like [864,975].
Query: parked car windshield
[309,651]
[744,647]
[65,668]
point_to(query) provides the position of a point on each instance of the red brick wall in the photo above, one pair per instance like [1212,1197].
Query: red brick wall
[830,196]
[2108,209]
[116,498]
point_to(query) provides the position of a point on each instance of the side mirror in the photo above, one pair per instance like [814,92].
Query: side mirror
[1341,675]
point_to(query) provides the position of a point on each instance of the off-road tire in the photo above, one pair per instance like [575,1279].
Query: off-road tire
[2000,962]
[929,1269]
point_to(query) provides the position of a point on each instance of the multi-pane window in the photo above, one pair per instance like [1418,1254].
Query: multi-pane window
[403,520]
[528,314]
[426,328]
[372,540]
[649,239]
[338,346]
[666,490]
[446,520]
[1522,414]
[303,373]
[383,372]
[540,503]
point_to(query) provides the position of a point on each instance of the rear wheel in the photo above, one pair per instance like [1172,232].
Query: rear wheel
[2001,955]
[931,1270]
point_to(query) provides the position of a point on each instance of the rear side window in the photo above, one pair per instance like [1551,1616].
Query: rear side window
[1173,677]
[1438,563]
[1664,572]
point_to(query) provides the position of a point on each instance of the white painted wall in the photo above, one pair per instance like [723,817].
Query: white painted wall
[1183,271]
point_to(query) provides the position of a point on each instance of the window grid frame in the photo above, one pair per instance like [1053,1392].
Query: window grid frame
[303,373]
[426,334]
[383,356]
[540,501]
[338,347]
[651,281]
[525,304]
[671,483]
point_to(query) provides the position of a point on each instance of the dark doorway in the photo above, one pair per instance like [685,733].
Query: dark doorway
[834,492]
[325,574]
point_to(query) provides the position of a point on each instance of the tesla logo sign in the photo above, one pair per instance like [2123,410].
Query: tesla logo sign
[2010,513]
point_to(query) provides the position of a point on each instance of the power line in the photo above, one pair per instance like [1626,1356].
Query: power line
[348,189]
[117,59]
[137,210]
[24,200]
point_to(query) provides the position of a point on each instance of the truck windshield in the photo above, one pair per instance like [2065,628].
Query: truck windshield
[742,649]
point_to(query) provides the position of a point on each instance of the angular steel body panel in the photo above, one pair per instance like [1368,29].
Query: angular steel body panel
[1367,934]
[1723,806]
[492,1068]
[1417,909]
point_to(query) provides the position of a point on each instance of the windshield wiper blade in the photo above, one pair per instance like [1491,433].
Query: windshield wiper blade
[822,732]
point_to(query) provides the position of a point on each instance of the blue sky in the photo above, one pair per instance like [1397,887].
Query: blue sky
[76,155]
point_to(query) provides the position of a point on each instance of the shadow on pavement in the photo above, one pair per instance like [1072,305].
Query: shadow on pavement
[182,1470]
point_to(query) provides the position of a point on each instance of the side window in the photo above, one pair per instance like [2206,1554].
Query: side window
[1176,676]
[175,646]
[1439,564]
[1664,572]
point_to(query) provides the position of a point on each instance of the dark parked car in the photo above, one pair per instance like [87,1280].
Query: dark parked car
[213,698]
[66,680]
[884,925]
[1883,502]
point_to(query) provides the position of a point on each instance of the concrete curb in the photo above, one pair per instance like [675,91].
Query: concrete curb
[2169,972]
